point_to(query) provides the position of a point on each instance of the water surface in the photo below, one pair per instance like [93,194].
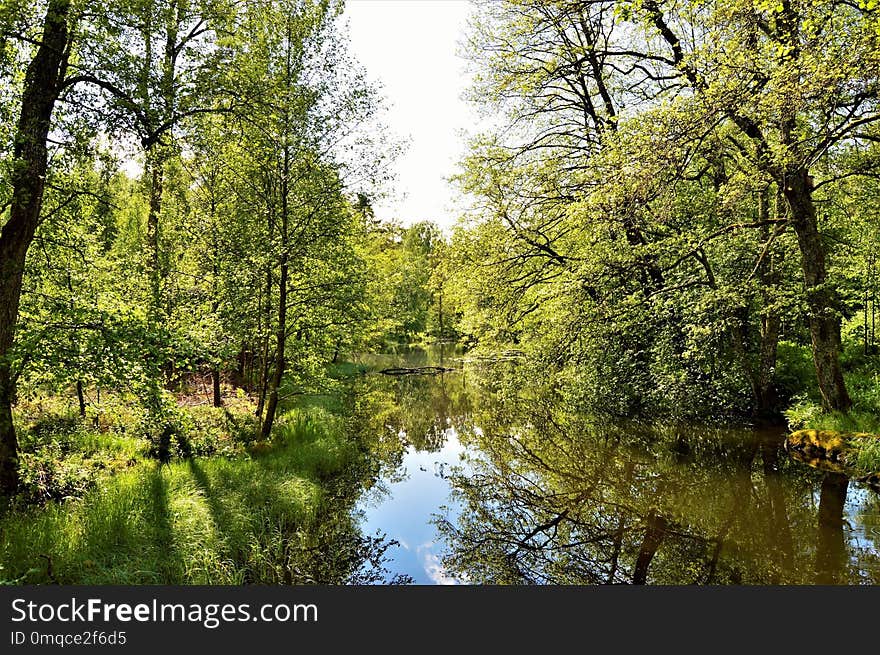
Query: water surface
[500,483]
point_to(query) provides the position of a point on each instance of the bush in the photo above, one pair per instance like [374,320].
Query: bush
[803,414]
[49,475]
[795,374]
[868,457]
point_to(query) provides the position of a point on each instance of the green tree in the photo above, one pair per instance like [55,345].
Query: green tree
[648,152]
[42,85]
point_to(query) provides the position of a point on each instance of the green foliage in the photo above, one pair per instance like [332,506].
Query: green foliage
[669,200]
[277,515]
[864,384]
[51,474]
[253,142]
[63,455]
[868,455]
[632,220]
[407,289]
[794,372]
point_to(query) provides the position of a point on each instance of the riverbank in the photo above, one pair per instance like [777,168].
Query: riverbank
[379,461]
[95,509]
[863,382]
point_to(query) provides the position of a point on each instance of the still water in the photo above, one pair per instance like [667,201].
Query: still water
[495,482]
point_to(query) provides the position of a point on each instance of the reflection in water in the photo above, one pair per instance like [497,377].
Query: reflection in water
[779,528]
[547,496]
[831,547]
[333,549]
[655,530]
[406,504]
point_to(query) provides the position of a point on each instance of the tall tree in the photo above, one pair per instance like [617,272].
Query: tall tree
[738,91]
[43,84]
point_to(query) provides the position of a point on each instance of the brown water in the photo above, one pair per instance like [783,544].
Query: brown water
[499,483]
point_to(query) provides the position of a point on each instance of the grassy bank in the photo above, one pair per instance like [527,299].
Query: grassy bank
[237,512]
[862,373]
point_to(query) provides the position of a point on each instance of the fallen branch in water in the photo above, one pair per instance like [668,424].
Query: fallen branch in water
[419,370]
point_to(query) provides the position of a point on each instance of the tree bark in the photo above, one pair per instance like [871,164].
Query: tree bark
[281,340]
[822,301]
[283,264]
[155,178]
[281,328]
[215,380]
[8,440]
[42,85]
[264,360]
[81,398]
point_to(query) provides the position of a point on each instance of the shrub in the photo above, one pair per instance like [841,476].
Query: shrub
[50,475]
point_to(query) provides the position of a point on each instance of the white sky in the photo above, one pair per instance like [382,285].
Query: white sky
[410,47]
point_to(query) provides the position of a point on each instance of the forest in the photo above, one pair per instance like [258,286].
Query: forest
[663,289]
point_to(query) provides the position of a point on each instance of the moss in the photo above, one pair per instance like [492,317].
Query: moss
[834,450]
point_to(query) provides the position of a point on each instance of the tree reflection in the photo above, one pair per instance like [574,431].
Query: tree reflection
[779,528]
[831,547]
[553,498]
[421,408]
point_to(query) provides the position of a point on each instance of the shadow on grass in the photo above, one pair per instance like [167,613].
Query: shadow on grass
[280,517]
[163,530]
[224,520]
[127,534]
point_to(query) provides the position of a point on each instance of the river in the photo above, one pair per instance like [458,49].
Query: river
[494,482]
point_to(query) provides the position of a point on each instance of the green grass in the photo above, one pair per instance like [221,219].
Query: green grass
[868,456]
[216,520]
[116,445]
[810,416]
[862,375]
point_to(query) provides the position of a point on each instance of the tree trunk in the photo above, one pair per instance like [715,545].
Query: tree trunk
[440,319]
[81,398]
[155,178]
[8,439]
[215,283]
[281,339]
[759,363]
[283,266]
[42,85]
[215,379]
[264,360]
[821,300]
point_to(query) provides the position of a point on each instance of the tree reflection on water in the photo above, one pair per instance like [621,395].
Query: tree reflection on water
[550,496]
